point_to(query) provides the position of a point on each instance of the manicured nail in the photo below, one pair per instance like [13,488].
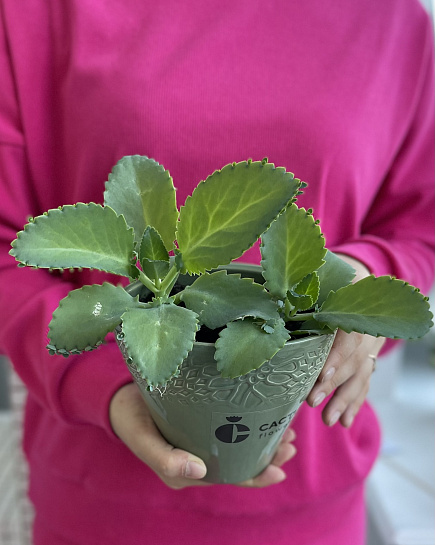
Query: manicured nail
[329,374]
[348,421]
[334,418]
[194,470]
[280,475]
[289,435]
[320,397]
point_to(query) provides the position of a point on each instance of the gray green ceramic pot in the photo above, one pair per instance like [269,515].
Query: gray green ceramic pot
[235,425]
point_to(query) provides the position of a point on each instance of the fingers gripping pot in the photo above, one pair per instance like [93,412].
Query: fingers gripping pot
[234,425]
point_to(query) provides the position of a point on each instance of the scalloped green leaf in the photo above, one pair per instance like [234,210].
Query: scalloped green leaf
[380,306]
[219,298]
[333,275]
[305,293]
[152,246]
[77,236]
[228,212]
[86,315]
[158,339]
[243,346]
[291,248]
[142,190]
[153,255]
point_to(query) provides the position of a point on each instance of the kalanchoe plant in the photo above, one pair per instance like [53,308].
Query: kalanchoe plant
[140,234]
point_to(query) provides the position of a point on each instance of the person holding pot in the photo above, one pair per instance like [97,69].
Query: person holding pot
[340,93]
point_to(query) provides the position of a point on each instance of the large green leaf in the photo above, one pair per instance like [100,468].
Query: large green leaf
[158,339]
[243,346]
[219,298]
[379,307]
[333,275]
[229,211]
[153,256]
[81,235]
[85,316]
[142,190]
[291,248]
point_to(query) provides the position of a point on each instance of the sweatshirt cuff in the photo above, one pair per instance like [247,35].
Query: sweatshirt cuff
[371,252]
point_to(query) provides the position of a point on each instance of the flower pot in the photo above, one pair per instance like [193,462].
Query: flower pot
[234,425]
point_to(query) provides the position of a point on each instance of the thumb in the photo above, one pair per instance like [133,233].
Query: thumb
[172,465]
[132,423]
[175,467]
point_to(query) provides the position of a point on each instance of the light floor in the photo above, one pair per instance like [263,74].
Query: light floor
[401,487]
[15,510]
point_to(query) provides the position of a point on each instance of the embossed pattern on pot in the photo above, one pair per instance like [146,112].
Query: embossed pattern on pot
[223,420]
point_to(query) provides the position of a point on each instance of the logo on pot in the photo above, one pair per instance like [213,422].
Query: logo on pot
[233,432]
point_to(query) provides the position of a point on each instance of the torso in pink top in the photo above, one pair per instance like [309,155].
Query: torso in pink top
[337,92]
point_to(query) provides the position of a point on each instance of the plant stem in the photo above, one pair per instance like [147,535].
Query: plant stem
[299,317]
[147,282]
[289,309]
[168,282]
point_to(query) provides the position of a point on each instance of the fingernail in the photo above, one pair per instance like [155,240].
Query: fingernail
[348,421]
[194,470]
[329,374]
[320,397]
[289,435]
[334,418]
[275,474]
[281,478]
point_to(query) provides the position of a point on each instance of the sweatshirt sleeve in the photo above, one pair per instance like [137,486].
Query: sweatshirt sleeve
[77,389]
[397,235]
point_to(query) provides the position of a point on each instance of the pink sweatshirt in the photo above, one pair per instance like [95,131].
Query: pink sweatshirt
[341,93]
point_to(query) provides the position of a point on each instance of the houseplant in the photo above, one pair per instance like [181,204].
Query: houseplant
[179,293]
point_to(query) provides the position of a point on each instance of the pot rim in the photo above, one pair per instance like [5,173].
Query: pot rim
[301,340]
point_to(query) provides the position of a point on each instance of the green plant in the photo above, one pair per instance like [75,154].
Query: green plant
[307,289]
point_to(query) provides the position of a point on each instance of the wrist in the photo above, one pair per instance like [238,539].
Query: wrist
[361,270]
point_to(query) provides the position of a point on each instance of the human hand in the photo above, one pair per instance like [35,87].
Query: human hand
[132,423]
[347,370]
